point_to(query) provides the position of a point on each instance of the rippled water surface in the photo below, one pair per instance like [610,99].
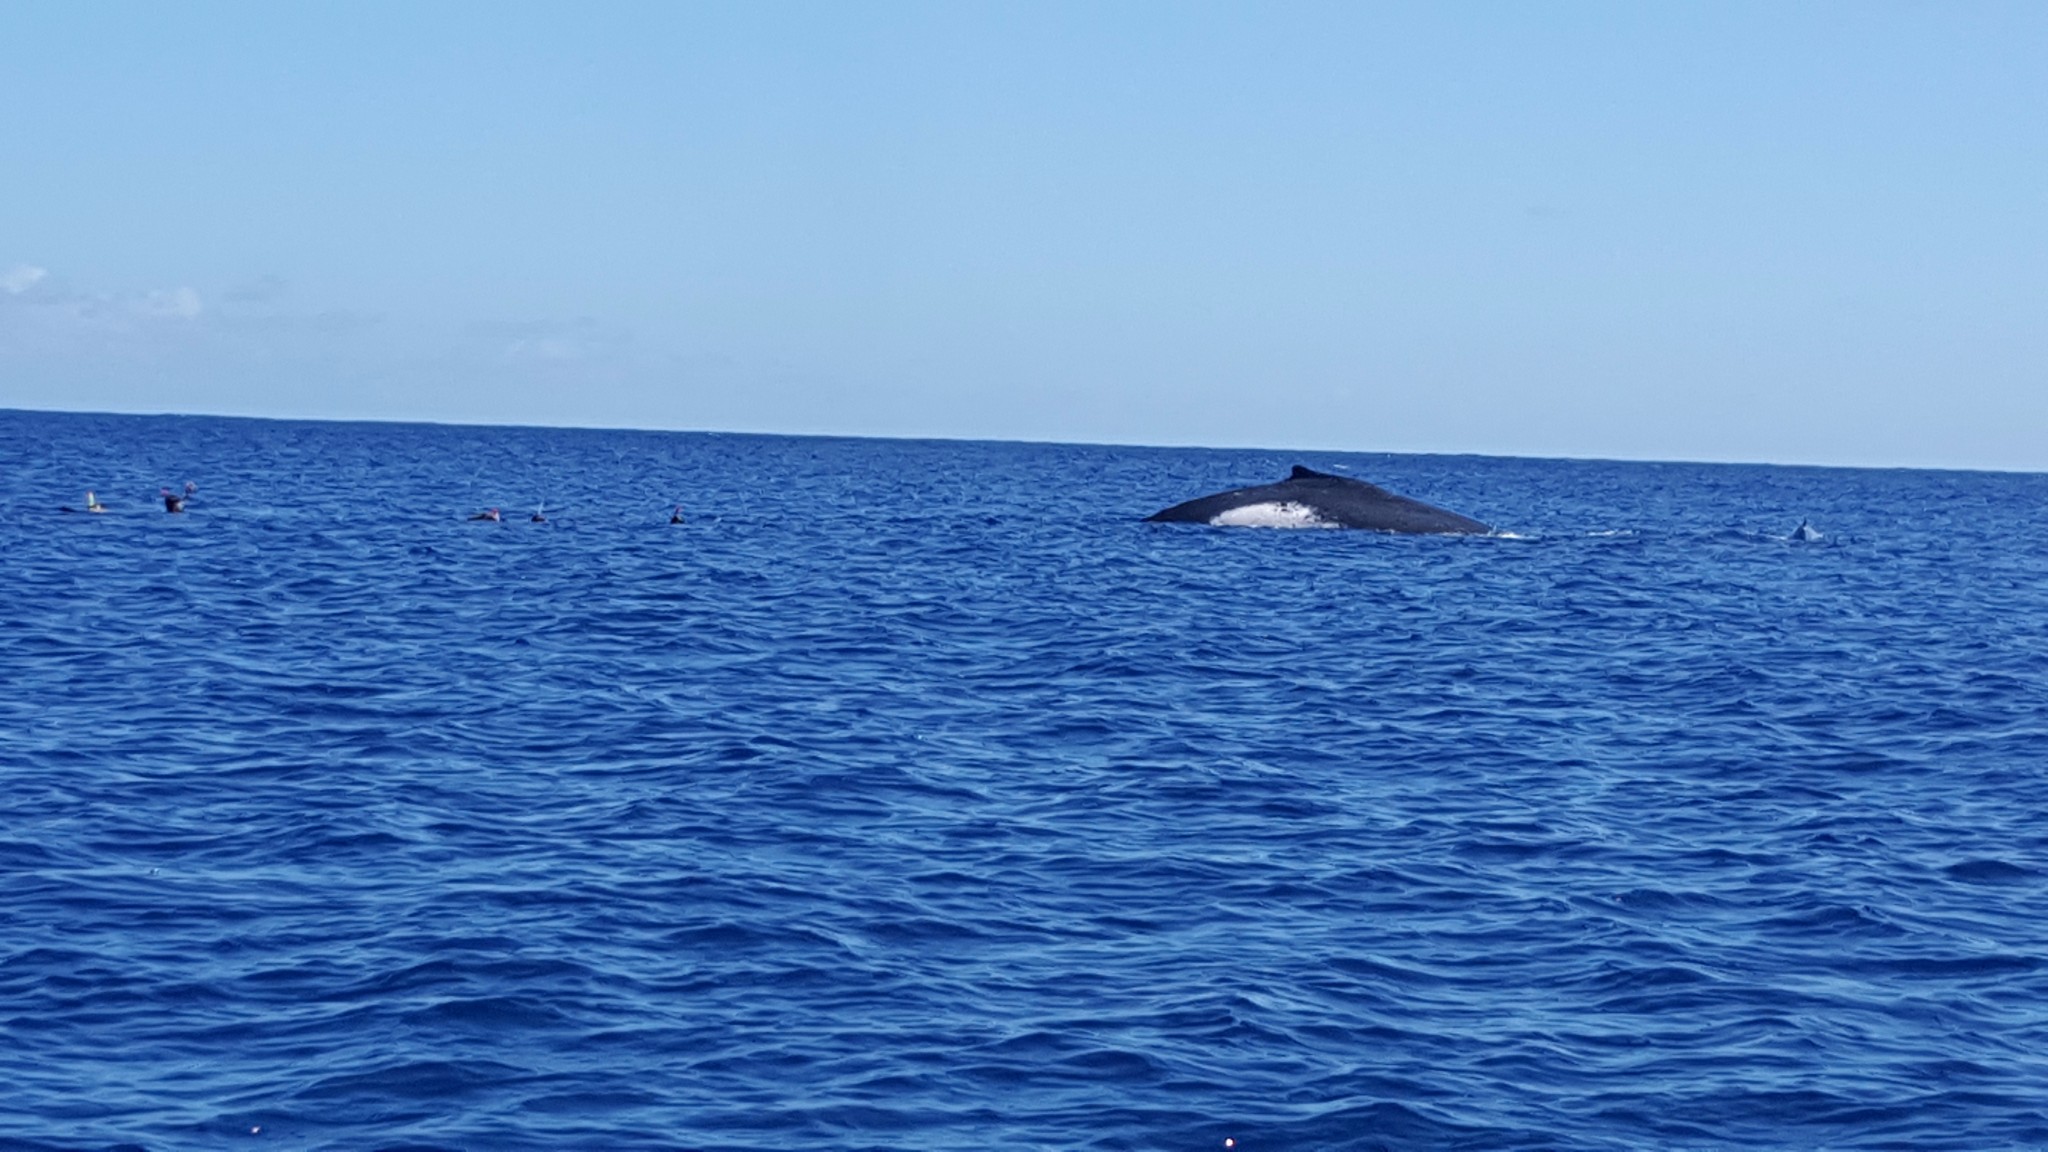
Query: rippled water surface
[917,796]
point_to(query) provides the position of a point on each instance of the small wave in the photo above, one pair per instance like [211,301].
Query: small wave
[1990,872]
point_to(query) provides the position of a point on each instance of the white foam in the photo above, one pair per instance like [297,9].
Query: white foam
[1273,514]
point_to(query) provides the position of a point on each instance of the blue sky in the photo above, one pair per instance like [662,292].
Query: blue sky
[1722,231]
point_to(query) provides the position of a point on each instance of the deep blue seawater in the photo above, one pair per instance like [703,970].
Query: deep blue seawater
[916,795]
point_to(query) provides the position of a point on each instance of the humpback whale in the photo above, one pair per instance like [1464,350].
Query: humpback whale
[1312,499]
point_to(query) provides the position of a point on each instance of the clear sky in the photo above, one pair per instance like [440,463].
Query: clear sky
[1803,233]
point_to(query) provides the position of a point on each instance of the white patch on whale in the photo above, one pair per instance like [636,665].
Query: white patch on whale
[1272,514]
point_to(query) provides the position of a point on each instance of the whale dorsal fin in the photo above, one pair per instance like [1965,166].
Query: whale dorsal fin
[1301,473]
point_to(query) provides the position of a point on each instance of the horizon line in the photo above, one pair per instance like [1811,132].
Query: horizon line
[962,439]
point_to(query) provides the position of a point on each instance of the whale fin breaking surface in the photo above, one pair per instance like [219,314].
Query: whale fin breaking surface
[1312,499]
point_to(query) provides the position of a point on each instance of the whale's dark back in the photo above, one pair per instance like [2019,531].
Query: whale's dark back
[1338,500]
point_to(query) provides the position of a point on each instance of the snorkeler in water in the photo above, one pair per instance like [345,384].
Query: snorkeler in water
[92,504]
[175,501]
[676,517]
[487,514]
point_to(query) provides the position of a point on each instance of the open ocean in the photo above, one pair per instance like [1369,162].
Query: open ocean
[915,795]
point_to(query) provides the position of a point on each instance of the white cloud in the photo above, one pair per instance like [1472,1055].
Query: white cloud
[21,278]
[266,289]
[544,348]
[179,302]
[553,341]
